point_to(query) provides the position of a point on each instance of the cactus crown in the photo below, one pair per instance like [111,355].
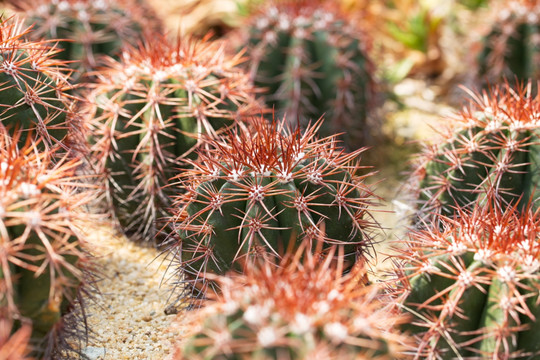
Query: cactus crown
[491,148]
[312,60]
[254,191]
[149,111]
[473,283]
[300,308]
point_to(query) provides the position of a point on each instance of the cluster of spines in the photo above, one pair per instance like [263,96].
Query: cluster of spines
[301,307]
[35,87]
[42,264]
[472,283]
[491,149]
[149,111]
[88,29]
[252,192]
[512,47]
[312,61]
[14,345]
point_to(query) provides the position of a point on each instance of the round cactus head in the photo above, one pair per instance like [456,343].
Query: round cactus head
[87,29]
[492,148]
[41,261]
[301,307]
[312,60]
[33,95]
[512,46]
[150,109]
[256,190]
[473,284]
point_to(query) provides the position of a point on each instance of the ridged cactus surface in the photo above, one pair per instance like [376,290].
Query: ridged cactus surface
[34,92]
[257,189]
[149,110]
[312,61]
[300,308]
[512,47]
[42,264]
[473,285]
[491,148]
[87,28]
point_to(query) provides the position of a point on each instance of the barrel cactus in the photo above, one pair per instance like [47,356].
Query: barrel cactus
[473,284]
[312,61]
[42,264]
[34,93]
[149,110]
[256,190]
[88,28]
[491,148]
[300,308]
[512,46]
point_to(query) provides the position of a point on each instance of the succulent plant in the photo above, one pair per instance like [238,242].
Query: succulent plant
[492,148]
[149,111]
[299,308]
[252,192]
[512,46]
[42,264]
[473,284]
[88,28]
[34,92]
[312,61]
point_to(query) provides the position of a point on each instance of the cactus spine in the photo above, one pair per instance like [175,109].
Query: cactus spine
[300,308]
[512,47]
[34,87]
[149,111]
[473,284]
[492,148]
[92,28]
[252,192]
[42,264]
[313,61]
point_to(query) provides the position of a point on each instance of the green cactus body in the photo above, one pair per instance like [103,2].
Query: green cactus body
[302,307]
[251,194]
[34,85]
[492,148]
[511,48]
[477,296]
[312,61]
[149,111]
[40,254]
[88,29]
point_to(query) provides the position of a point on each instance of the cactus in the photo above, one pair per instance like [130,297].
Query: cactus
[34,87]
[251,193]
[42,264]
[313,61]
[300,308]
[492,147]
[88,28]
[473,284]
[149,110]
[512,47]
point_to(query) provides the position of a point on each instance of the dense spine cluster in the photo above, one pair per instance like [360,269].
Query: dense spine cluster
[512,47]
[473,284]
[42,264]
[299,308]
[34,91]
[313,61]
[492,148]
[256,190]
[149,111]
[87,29]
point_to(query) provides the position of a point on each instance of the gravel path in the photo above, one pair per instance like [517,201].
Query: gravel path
[127,318]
